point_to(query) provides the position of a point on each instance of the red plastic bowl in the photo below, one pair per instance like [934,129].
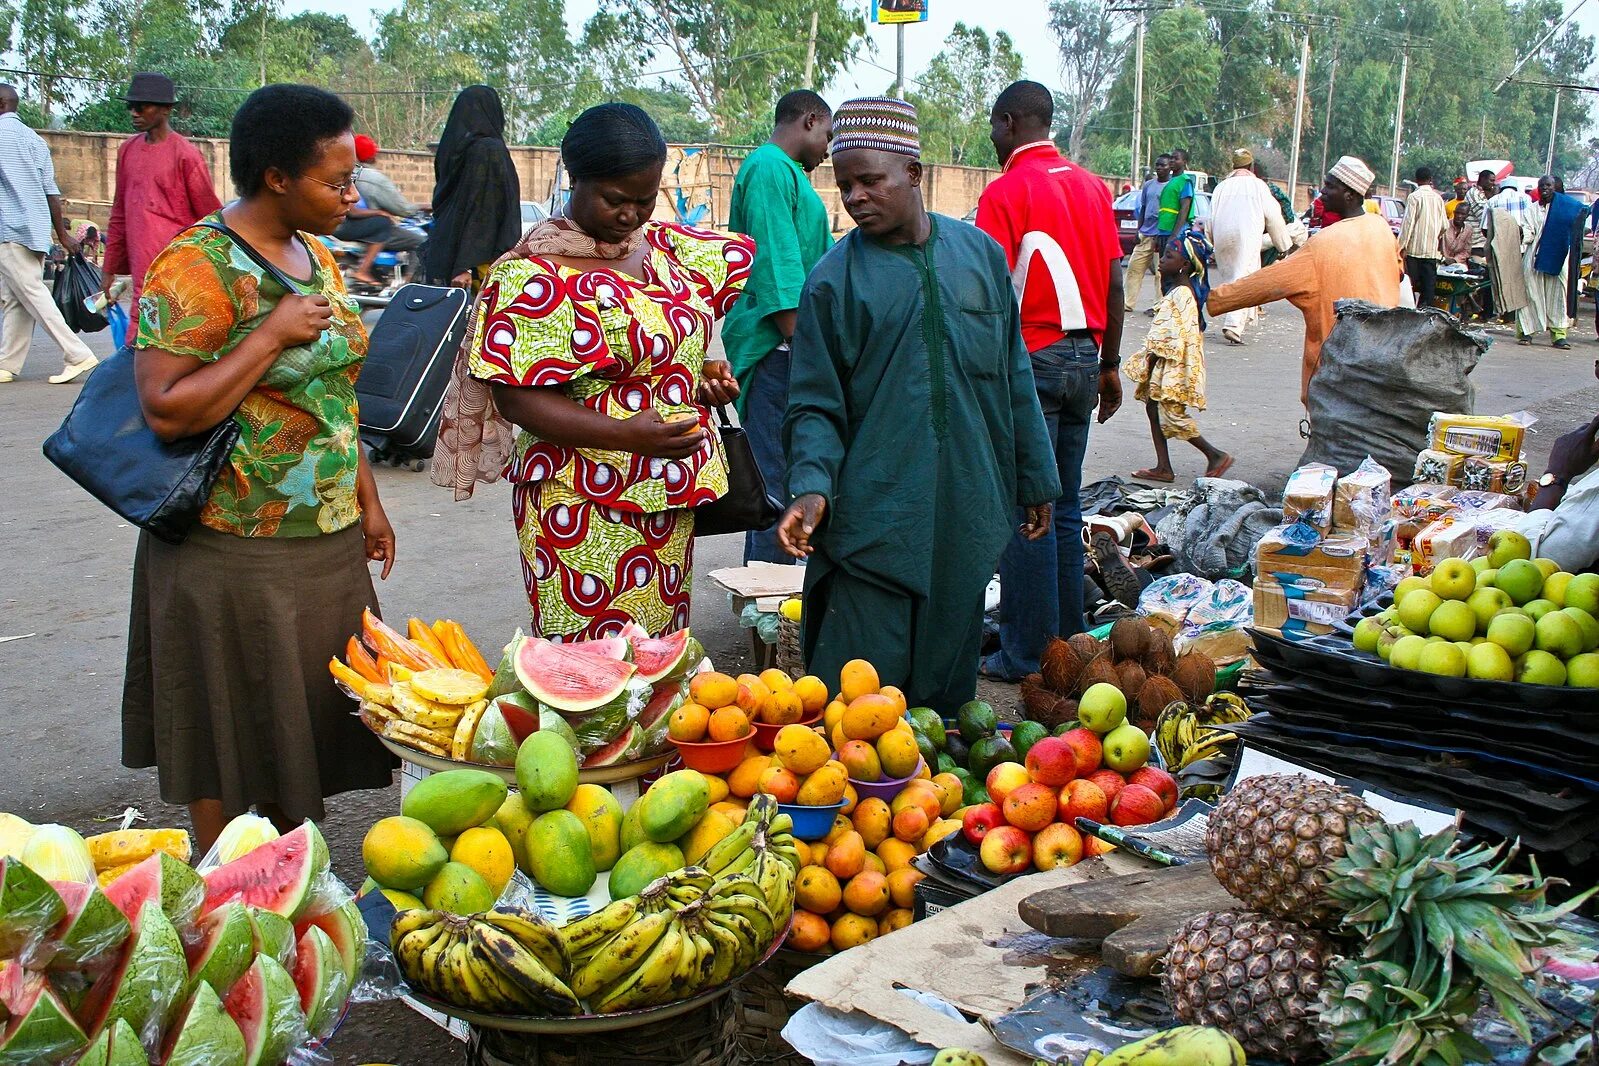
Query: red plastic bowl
[885,790]
[711,757]
[766,733]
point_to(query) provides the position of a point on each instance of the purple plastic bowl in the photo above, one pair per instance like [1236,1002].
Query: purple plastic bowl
[885,790]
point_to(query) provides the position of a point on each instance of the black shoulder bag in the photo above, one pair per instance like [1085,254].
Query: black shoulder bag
[108,448]
[746,505]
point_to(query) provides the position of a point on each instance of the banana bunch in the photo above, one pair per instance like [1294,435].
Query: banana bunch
[497,962]
[1187,1045]
[1195,744]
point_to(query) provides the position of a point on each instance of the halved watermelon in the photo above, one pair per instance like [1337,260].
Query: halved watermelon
[569,680]
[281,876]
[40,1028]
[202,1034]
[29,908]
[224,949]
[148,978]
[160,879]
[93,926]
[656,658]
[117,1045]
[265,1005]
[521,713]
[319,975]
[599,726]
[347,929]
[616,751]
[668,697]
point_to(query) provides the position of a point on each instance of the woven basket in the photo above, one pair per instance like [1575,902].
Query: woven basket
[790,659]
[763,1010]
[706,1036]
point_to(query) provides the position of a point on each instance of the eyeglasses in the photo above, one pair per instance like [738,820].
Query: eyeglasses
[342,187]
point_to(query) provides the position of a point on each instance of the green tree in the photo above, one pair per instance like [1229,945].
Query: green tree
[1093,44]
[49,37]
[957,91]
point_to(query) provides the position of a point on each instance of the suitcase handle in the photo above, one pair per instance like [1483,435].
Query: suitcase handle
[421,297]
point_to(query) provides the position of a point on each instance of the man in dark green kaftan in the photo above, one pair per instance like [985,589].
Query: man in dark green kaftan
[913,426]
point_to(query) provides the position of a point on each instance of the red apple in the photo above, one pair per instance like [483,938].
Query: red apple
[1006,850]
[1052,762]
[1090,752]
[1030,806]
[978,820]
[1157,781]
[1136,805]
[1082,799]
[1109,782]
[1003,778]
[1057,845]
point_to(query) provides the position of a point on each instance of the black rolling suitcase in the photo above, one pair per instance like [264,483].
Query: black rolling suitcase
[407,369]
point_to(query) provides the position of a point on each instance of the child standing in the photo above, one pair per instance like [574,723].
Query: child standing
[1169,370]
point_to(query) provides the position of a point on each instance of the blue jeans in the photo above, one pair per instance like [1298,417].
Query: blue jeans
[1041,581]
[765,404]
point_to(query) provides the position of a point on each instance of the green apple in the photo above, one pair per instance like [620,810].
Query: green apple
[1589,625]
[1406,586]
[1539,607]
[1126,748]
[1547,567]
[1505,545]
[1582,592]
[1480,563]
[1485,603]
[1453,579]
[1406,653]
[1367,632]
[1102,708]
[1453,620]
[1554,587]
[1540,668]
[1559,634]
[1489,662]
[1444,659]
[1520,579]
[1391,635]
[1416,608]
[1512,632]
[1583,671]
[1485,578]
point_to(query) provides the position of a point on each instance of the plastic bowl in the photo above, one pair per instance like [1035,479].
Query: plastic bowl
[811,823]
[712,757]
[885,790]
[766,733]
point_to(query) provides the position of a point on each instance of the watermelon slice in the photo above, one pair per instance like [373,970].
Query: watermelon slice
[40,1028]
[616,648]
[164,880]
[265,1005]
[505,679]
[521,713]
[117,1045]
[148,978]
[569,680]
[668,696]
[29,908]
[347,929]
[282,876]
[657,658]
[224,950]
[93,926]
[202,1034]
[273,936]
[319,975]
[616,751]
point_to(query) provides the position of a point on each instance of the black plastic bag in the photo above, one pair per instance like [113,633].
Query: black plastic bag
[78,281]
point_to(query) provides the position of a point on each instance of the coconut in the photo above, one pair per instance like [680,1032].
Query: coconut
[1060,666]
[1158,693]
[1159,656]
[1036,699]
[1100,670]
[1132,679]
[1195,674]
[1087,648]
[1128,639]
[1065,710]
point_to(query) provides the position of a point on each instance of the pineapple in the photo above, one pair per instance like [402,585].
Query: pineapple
[1273,840]
[1251,975]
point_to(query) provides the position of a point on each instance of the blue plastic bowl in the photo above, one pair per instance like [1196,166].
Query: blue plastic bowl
[811,823]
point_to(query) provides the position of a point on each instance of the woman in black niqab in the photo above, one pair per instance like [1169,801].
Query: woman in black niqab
[477,213]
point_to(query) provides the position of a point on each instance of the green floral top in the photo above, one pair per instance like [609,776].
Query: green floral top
[293,472]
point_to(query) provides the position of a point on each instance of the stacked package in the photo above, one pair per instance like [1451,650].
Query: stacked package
[1314,569]
[1481,453]
[1470,479]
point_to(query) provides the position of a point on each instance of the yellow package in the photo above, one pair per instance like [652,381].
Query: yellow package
[1489,436]
[1438,467]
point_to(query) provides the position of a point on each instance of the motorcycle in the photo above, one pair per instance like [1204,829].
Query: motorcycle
[394,269]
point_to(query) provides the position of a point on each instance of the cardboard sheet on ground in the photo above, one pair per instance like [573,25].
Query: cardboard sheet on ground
[978,956]
[761,581]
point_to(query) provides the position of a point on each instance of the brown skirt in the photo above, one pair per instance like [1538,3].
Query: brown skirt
[227,690]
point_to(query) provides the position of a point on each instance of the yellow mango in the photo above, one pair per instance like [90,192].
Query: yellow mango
[801,749]
[707,832]
[898,753]
[858,678]
[869,717]
[824,787]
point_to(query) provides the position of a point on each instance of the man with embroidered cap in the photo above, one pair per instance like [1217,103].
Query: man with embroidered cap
[913,430]
[1356,259]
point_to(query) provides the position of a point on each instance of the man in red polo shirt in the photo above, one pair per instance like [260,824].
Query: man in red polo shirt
[1054,220]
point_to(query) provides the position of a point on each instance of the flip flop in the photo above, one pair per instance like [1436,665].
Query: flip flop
[1149,475]
[1226,465]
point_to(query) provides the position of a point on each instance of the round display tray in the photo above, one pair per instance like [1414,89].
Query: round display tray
[594,1023]
[598,775]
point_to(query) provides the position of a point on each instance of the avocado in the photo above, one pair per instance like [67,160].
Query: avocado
[956,748]
[1066,727]
[926,720]
[976,720]
[989,753]
[924,744]
[1024,736]
[975,793]
[945,764]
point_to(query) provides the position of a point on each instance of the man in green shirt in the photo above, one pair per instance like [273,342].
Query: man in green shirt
[1177,197]
[773,201]
[913,429]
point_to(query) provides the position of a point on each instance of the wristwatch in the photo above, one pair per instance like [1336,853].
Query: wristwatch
[1551,478]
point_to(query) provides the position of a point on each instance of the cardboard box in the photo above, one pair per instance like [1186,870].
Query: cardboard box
[1301,606]
[1488,436]
[1438,467]
[1308,496]
[1296,545]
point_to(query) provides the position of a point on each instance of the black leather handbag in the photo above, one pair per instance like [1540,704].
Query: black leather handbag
[746,505]
[108,448]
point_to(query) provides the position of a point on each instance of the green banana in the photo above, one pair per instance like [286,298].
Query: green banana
[583,936]
[780,825]
[620,954]
[523,969]
[724,851]
[535,934]
[650,982]
[1188,1045]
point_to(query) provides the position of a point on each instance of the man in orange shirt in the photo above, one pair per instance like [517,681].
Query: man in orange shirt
[1356,259]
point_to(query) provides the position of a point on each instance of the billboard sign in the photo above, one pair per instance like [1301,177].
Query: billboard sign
[899,12]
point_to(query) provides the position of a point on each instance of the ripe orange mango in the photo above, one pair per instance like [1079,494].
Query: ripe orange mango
[861,760]
[911,824]
[867,894]
[782,708]
[810,932]
[689,723]
[893,919]
[780,783]
[846,856]
[752,693]
[902,886]
[851,798]
[833,715]
[745,780]
[824,787]
[952,790]
[920,794]
[898,754]
[817,890]
[801,749]
[873,821]
[894,694]
[776,680]
[896,853]
[712,690]
[869,717]
[858,678]
[812,692]
[853,930]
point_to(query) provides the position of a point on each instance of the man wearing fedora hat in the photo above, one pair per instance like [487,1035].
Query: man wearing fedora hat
[163,185]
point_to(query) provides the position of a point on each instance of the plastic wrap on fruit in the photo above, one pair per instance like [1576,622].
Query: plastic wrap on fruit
[505,679]
[57,853]
[239,837]
[29,909]
[603,724]
[493,744]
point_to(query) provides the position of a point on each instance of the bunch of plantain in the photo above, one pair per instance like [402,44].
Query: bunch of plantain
[1187,1045]
[1195,744]
[498,962]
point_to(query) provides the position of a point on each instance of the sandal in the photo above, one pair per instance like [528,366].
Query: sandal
[1150,475]
[1221,468]
[1562,345]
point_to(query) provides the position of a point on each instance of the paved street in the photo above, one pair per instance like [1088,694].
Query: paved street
[67,562]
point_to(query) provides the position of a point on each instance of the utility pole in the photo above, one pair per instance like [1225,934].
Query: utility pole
[1138,98]
[1554,125]
[899,61]
[1399,121]
[1299,114]
[1326,126]
[810,53]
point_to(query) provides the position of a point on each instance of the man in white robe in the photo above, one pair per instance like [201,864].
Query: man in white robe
[1242,212]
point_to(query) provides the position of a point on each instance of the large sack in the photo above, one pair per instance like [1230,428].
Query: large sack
[1383,373]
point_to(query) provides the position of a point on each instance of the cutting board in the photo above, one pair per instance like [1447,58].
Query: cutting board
[1135,915]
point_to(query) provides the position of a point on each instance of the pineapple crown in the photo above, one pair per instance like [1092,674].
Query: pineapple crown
[1371,1017]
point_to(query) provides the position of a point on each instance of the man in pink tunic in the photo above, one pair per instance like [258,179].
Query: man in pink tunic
[163,186]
